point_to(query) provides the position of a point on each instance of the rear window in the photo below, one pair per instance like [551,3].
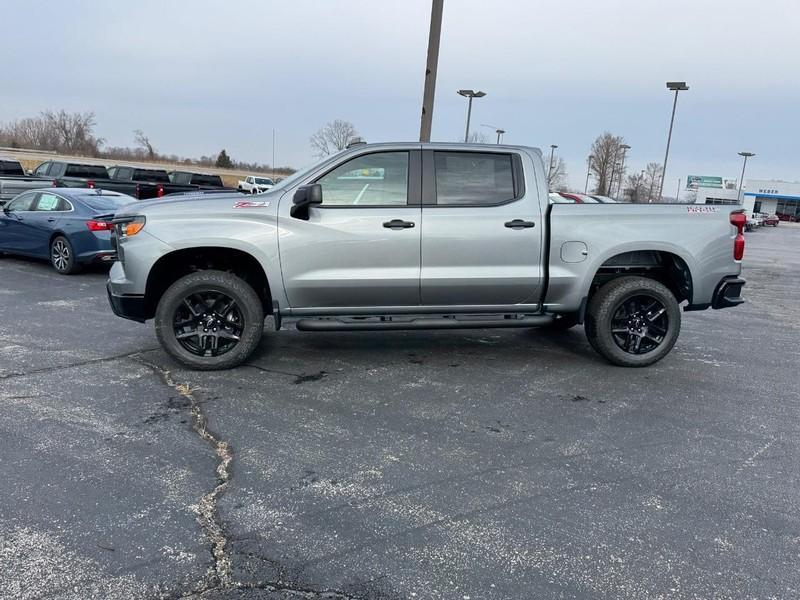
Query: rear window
[151,175]
[106,202]
[264,181]
[473,178]
[210,180]
[11,168]
[86,171]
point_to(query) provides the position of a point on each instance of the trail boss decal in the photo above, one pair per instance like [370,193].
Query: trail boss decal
[251,204]
[701,209]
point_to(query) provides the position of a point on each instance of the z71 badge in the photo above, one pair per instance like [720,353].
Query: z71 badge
[251,204]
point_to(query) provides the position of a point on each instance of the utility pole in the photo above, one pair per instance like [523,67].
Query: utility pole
[676,86]
[500,133]
[429,91]
[607,191]
[273,155]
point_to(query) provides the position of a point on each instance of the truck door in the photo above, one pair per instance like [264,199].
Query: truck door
[481,230]
[361,247]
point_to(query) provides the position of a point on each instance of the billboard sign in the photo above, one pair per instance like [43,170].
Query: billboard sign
[695,181]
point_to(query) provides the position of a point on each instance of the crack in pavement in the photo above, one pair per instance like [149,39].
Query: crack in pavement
[220,575]
[90,361]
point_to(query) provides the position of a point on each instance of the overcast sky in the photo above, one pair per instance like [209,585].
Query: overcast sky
[198,75]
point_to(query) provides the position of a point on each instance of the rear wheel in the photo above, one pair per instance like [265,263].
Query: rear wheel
[633,321]
[210,320]
[62,256]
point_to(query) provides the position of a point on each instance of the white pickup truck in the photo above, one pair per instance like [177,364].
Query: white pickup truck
[421,236]
[253,184]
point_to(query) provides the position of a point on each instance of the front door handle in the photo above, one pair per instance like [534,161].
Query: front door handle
[51,220]
[398,224]
[520,224]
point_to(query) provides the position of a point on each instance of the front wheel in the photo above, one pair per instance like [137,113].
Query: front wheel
[633,321]
[210,320]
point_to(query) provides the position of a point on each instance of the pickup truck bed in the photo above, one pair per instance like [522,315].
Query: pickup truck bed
[413,236]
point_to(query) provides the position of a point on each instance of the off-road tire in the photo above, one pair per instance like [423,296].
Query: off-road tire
[608,300]
[248,303]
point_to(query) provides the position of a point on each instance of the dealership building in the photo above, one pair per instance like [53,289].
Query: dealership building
[770,196]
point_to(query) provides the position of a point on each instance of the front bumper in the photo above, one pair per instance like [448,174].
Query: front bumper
[728,292]
[127,306]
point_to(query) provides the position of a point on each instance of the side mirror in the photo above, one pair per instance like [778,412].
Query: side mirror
[29,172]
[305,197]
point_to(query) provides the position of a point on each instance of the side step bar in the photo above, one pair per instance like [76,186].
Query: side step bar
[330,324]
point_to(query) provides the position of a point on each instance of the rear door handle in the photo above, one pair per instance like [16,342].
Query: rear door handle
[50,220]
[398,224]
[520,224]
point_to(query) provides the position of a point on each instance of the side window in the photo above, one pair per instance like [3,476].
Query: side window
[41,170]
[57,169]
[473,178]
[124,173]
[50,202]
[249,180]
[22,203]
[379,179]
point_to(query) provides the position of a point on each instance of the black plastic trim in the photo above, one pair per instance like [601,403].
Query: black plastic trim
[332,324]
[728,292]
[127,306]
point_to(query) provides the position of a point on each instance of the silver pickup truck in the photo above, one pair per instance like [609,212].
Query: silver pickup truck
[420,236]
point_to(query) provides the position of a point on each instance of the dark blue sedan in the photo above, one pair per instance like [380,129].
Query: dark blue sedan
[61,225]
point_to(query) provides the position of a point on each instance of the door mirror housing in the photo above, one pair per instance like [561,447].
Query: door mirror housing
[305,197]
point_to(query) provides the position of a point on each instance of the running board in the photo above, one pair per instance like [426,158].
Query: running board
[387,324]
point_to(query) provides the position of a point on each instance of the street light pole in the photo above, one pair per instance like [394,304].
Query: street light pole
[625,149]
[550,170]
[676,86]
[469,94]
[744,155]
[500,133]
[588,170]
[607,191]
[429,89]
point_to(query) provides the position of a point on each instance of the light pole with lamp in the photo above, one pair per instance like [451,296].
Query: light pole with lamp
[675,86]
[588,170]
[624,149]
[497,130]
[744,155]
[469,94]
[550,169]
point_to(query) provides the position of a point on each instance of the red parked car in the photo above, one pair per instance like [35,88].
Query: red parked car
[579,198]
[772,220]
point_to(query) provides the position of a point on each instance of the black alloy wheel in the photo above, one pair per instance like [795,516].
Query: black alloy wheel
[640,324]
[208,323]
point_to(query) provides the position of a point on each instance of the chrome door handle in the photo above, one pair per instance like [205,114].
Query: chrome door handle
[398,224]
[520,224]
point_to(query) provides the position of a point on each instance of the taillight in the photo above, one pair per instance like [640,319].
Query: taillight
[90,184]
[160,191]
[55,182]
[99,225]
[738,220]
[138,193]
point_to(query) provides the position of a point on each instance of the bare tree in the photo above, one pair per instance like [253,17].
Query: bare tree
[556,174]
[476,137]
[635,189]
[144,142]
[74,131]
[652,181]
[605,154]
[333,137]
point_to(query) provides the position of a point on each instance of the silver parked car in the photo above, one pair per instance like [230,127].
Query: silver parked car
[420,236]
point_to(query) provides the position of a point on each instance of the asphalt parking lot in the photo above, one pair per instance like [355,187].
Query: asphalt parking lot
[485,464]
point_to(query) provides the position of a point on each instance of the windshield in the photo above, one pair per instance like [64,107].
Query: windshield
[264,181]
